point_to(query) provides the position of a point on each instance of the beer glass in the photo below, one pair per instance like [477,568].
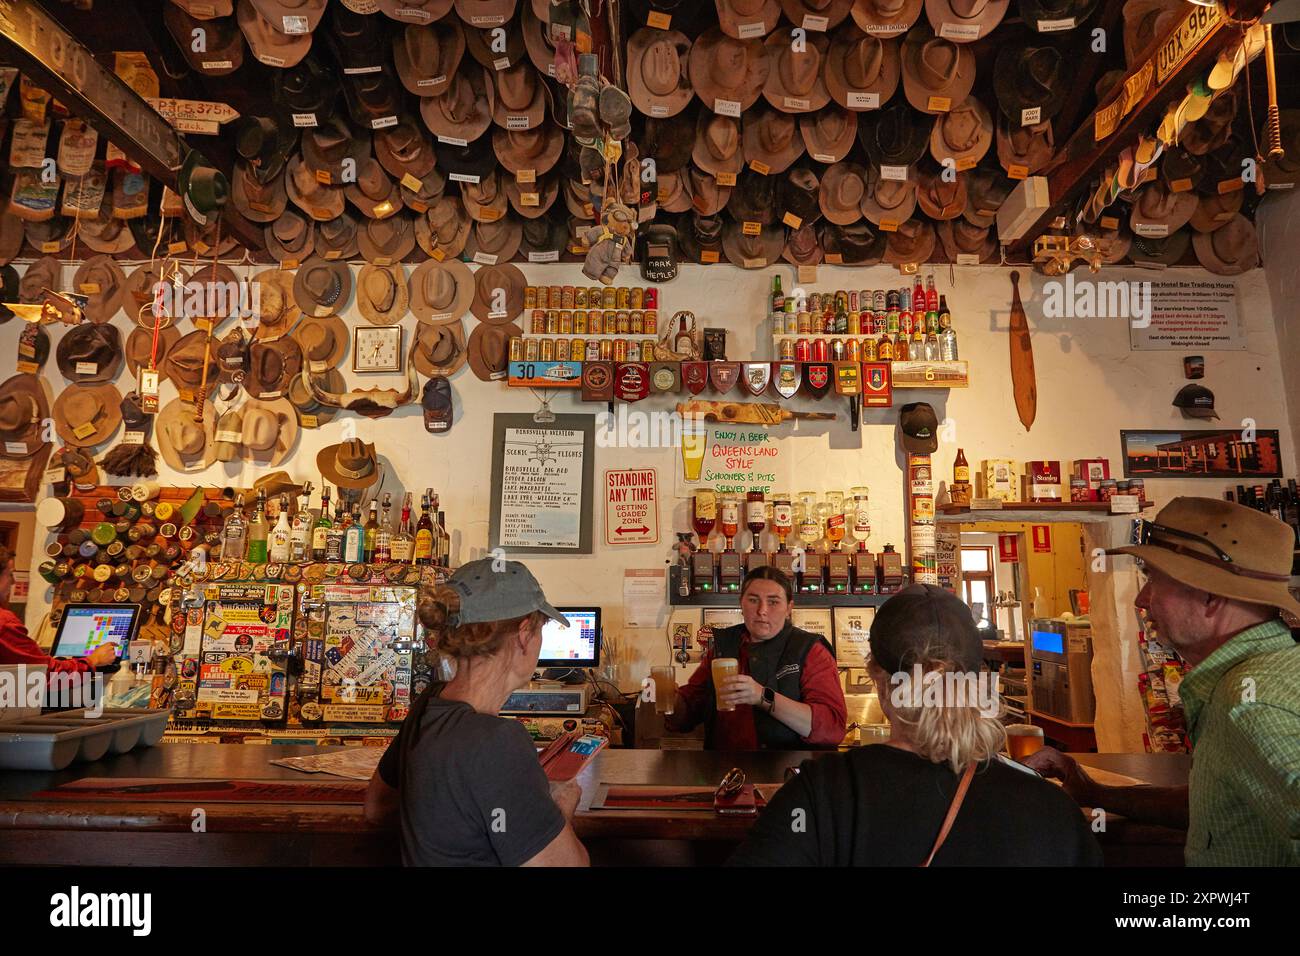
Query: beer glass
[722,668]
[665,689]
[1023,740]
[693,444]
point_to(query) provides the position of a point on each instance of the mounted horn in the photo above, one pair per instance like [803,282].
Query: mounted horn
[367,402]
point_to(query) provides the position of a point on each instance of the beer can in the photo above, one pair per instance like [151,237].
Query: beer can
[595,297]
[852,352]
[853,300]
[891,322]
[804,326]
[566,297]
[580,322]
[593,351]
[610,318]
[547,350]
[650,322]
[516,348]
[815,302]
[906,323]
[638,298]
[539,322]
[879,300]
[791,323]
[623,322]
[552,321]
[802,351]
[607,350]
[543,296]
[651,299]
[556,296]
[648,348]
[620,350]
[905,299]
[594,326]
[819,350]
[577,349]
[531,350]
[636,322]
[837,350]
[610,297]
[634,351]
[623,297]
[580,297]
[787,350]
[530,297]
[828,323]
[566,322]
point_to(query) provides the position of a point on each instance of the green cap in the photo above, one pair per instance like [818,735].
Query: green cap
[493,590]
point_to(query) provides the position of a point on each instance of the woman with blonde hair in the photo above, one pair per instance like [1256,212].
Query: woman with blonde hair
[465,783]
[937,791]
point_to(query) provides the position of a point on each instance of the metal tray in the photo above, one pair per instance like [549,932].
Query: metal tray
[53,741]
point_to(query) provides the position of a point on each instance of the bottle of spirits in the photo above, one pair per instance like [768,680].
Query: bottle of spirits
[258,531]
[300,541]
[778,297]
[443,545]
[278,549]
[947,334]
[931,295]
[384,534]
[371,532]
[424,534]
[334,537]
[234,535]
[403,546]
[354,538]
[320,533]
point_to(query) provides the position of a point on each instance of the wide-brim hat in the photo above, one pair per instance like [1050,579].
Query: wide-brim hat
[862,70]
[258,201]
[1180,170]
[139,348]
[987,188]
[888,200]
[1168,251]
[443,231]
[1049,16]
[482,44]
[383,297]
[271,367]
[963,134]
[545,238]
[771,139]
[464,111]
[698,235]
[24,409]
[1260,548]
[309,87]
[534,200]
[264,144]
[1229,250]
[278,307]
[291,237]
[672,195]
[935,68]
[717,144]
[521,97]
[1146,22]
[431,187]
[322,342]
[336,238]
[326,146]
[269,431]
[669,141]
[485,200]
[537,149]
[489,350]
[319,201]
[485,13]
[707,197]
[373,192]
[223,48]
[475,158]
[104,233]
[1030,75]
[11,238]
[403,150]
[1216,211]
[498,294]
[1156,209]
[895,136]
[441,291]
[292,16]
[803,246]
[322,287]
[42,274]
[913,242]
[939,194]
[90,353]
[752,252]
[1029,147]
[410,11]
[753,199]
[747,18]
[269,45]
[829,133]
[1212,130]
[440,349]
[962,237]
[795,78]
[186,445]
[538,42]
[728,69]
[101,280]
[87,414]
[50,236]
[658,71]
[965,21]
[797,196]
[349,464]
[886,18]
[427,56]
[857,245]
[812,15]
[496,241]
[385,241]
[843,189]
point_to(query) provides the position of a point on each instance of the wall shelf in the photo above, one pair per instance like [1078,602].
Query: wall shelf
[800,600]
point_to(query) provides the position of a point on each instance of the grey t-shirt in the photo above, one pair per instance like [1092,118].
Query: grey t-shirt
[472,791]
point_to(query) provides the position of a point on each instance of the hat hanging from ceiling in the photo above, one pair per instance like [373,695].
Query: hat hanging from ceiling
[382,294]
[717,144]
[964,21]
[440,349]
[24,410]
[292,17]
[658,75]
[271,366]
[936,71]
[269,431]
[290,238]
[963,134]
[912,243]
[829,133]
[443,231]
[1146,22]
[1216,211]
[886,18]
[803,246]
[309,88]
[427,55]
[86,415]
[322,287]
[862,70]
[725,70]
[1229,250]
[186,445]
[101,280]
[794,80]
[771,139]
[1157,212]
[747,18]
[264,144]
[843,188]
[257,201]
[1030,80]
[895,136]
[441,291]
[90,353]
[327,146]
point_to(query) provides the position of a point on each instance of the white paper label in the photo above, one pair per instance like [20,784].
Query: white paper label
[501,63]
[885,29]
[15,448]
[656,110]
[233,438]
[1124,505]
[462,178]
[898,173]
[453,141]
[304,119]
[87,368]
[318,367]
[433,80]
[411,13]
[500,314]
[516,121]
[383,122]
[968,259]
[358,70]
[748,31]
[133,438]
[484,259]
[1051,26]
[56,475]
[1281,185]
[960,31]
[271,60]
[864,101]
[294,26]
[1152,230]
[727,108]
[552,256]
[753,263]
[491,20]
[217,64]
[793,104]
[823,157]
[811,22]
[1031,116]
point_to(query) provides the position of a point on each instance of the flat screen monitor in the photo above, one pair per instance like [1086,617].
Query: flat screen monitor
[577,645]
[85,627]
[1049,641]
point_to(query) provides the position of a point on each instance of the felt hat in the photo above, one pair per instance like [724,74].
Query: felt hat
[658,74]
[349,464]
[843,188]
[311,412]
[463,112]
[291,237]
[544,239]
[439,349]
[521,97]
[729,69]
[965,20]
[403,150]
[1230,250]
[534,200]
[317,200]
[1167,251]
[223,49]
[986,190]
[1028,76]
[139,348]
[894,136]
[268,431]
[700,235]
[794,80]
[753,252]
[961,237]
[444,229]
[271,367]
[1030,147]
[427,55]
[382,294]
[258,201]
[1216,211]
[886,18]
[385,241]
[707,197]
[912,243]
[717,144]
[186,445]
[278,310]
[489,350]
[496,241]
[537,149]
[823,15]
[485,13]
[485,200]
[441,291]
[672,196]
[669,140]
[322,341]
[308,87]
[803,246]
[858,244]
[797,195]
[753,199]
[101,279]
[44,273]
[326,146]
[292,17]
[940,195]
[936,69]
[268,44]
[963,134]
[373,193]
[747,18]
[105,233]
[322,287]
[1050,16]
[829,133]
[336,238]
[1158,212]
[24,409]
[498,294]
[862,69]
[414,11]
[86,415]
[888,200]
[90,353]
[771,138]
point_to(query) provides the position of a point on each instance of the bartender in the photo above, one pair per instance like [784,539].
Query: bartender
[786,692]
[17,647]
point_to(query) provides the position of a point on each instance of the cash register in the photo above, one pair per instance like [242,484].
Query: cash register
[567,652]
[84,627]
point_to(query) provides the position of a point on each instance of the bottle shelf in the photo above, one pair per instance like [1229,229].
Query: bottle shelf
[801,599]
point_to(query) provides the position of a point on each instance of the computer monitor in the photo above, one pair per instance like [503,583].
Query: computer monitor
[577,645]
[85,627]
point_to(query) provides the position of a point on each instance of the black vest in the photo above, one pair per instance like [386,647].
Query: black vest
[776,663]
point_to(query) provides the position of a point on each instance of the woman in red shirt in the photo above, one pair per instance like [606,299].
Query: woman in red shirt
[16,647]
[787,693]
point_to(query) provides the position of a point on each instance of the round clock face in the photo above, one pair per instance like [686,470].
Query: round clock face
[378,349]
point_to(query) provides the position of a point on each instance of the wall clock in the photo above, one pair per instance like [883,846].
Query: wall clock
[377,348]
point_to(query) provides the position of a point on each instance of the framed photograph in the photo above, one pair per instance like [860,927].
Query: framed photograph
[543,484]
[1222,453]
[377,348]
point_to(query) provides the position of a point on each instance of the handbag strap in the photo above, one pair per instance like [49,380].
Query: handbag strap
[962,786]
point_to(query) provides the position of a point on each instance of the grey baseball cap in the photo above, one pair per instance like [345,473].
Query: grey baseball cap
[498,591]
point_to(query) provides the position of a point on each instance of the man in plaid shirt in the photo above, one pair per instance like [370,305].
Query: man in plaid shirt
[1217,577]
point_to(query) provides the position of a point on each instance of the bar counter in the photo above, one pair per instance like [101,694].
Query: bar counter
[135,831]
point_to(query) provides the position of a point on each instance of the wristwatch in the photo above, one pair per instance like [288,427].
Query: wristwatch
[769,699]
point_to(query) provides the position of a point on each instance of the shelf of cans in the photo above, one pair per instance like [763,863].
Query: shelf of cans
[866,325]
[589,315]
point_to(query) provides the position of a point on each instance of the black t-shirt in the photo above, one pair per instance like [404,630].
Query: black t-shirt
[881,806]
[471,788]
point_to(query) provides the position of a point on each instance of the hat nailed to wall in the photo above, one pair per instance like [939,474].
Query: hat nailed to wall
[919,428]
[924,622]
[747,18]
[436,403]
[44,273]
[1030,80]
[803,246]
[271,367]
[912,243]
[658,73]
[101,280]
[771,139]
[1168,251]
[1229,250]
[427,55]
[349,464]
[139,348]
[290,238]
[894,136]
[701,237]
[1029,147]
[795,81]
[537,149]
[87,414]
[439,349]
[961,237]
[669,141]
[186,445]
[464,111]
[90,353]
[269,45]
[321,287]
[1051,16]
[829,133]
[753,199]
[862,70]
[1222,548]
[964,21]
[403,150]
[441,291]
[823,15]
[1216,211]
[413,11]
[268,431]
[223,49]
[521,97]
[443,231]
[858,244]
[23,411]
[382,294]
[373,193]
[309,87]
[185,362]
[326,146]
[323,342]
[886,18]
[717,144]
[292,17]
[498,294]
[727,69]
[986,190]
[963,134]
[493,242]
[278,311]
[1196,401]
[317,200]
[385,241]
[336,238]
[489,350]
[939,195]
[937,72]
[752,252]
[258,201]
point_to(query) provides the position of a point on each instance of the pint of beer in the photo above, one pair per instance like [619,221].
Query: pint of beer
[665,689]
[1023,740]
[723,667]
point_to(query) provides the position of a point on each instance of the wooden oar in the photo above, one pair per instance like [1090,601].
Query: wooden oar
[1022,359]
[747,413]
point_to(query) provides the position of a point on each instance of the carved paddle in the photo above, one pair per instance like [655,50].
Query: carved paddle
[1022,359]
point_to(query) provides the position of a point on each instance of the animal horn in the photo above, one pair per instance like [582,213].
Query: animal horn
[322,396]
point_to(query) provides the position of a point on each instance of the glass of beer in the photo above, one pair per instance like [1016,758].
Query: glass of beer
[723,667]
[665,689]
[1023,740]
[694,441]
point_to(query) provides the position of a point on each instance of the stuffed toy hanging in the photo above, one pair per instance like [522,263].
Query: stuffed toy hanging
[611,243]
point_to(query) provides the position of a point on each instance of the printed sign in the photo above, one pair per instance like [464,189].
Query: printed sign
[733,459]
[631,506]
[1189,315]
[542,479]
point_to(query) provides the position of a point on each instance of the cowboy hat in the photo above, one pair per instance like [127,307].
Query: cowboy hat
[913,242]
[812,15]
[520,98]
[965,20]
[858,244]
[895,136]
[385,241]
[498,294]
[658,77]
[797,193]
[443,231]
[258,201]
[292,17]
[1145,23]
[752,252]
[464,111]
[290,238]
[843,189]
[327,146]
[209,240]
[545,239]
[309,194]
[669,141]
[534,200]
[90,353]
[321,287]
[1030,147]
[537,149]
[101,279]
[278,310]
[23,412]
[539,42]
[427,56]
[1049,16]
[1180,170]
[803,246]
[186,445]
[886,18]
[936,71]
[728,69]
[1168,251]
[485,200]
[264,144]
[1214,212]
[44,273]
[140,347]
[1223,548]
[105,233]
[771,139]
[414,11]
[717,144]
[382,295]
[309,88]
[701,235]
[1030,76]
[1229,250]
[753,199]
[489,350]
[336,238]
[707,197]
[961,237]
[441,291]
[86,415]
[497,48]
[141,285]
[1159,212]
[223,49]
[963,134]
[485,13]
[439,349]
[372,192]
[862,70]
[939,193]
[493,242]
[271,366]
[672,195]
[312,413]
[888,200]
[321,341]
[987,188]
[269,431]
[268,44]
[403,152]
[829,133]
[50,235]
[349,464]
[747,18]
[689,16]
[794,80]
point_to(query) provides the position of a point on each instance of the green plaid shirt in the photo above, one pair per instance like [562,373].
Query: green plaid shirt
[1243,716]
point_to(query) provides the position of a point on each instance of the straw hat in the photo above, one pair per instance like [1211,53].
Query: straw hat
[269,431]
[382,294]
[886,18]
[441,291]
[771,138]
[658,76]
[321,287]
[725,68]
[843,189]
[349,464]
[1229,250]
[1260,549]
[747,18]
[102,280]
[90,353]
[290,238]
[86,415]
[443,231]
[186,445]
[862,69]
[965,20]
[271,367]
[278,311]
[794,81]
[23,411]
[489,350]
[935,68]
[427,56]
[439,349]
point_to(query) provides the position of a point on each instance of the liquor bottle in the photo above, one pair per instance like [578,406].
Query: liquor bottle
[961,468]
[300,540]
[782,518]
[334,537]
[947,342]
[424,533]
[683,342]
[778,297]
[234,535]
[704,516]
[384,534]
[730,520]
[257,532]
[930,350]
[278,549]
[354,538]
[371,532]
[403,546]
[902,351]
[320,533]
[885,350]
[755,517]
[442,544]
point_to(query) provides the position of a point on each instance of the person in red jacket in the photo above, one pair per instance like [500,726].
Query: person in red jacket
[787,693]
[16,647]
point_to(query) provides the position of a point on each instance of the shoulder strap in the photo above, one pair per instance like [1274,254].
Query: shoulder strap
[957,799]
